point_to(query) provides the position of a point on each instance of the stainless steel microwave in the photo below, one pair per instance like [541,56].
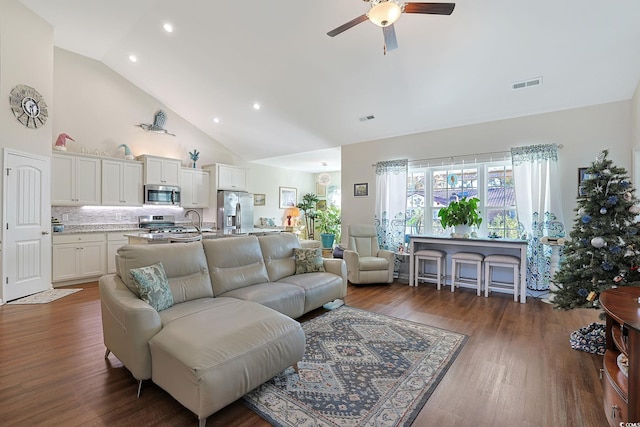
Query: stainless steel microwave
[161,195]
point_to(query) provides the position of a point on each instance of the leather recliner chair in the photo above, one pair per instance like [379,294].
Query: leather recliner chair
[366,262]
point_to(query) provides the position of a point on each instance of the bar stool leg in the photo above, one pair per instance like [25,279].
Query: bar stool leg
[454,274]
[479,278]
[487,280]
[439,272]
[516,282]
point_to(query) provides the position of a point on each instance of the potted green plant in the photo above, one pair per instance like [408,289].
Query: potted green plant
[461,215]
[308,206]
[328,222]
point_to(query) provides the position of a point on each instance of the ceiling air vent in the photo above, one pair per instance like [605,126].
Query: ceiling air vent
[366,118]
[527,83]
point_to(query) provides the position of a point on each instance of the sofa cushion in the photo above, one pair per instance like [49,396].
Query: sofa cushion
[283,297]
[308,260]
[368,263]
[234,262]
[277,250]
[153,286]
[319,288]
[184,264]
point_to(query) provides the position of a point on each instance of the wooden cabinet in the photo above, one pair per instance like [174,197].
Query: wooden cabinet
[114,242]
[161,170]
[78,256]
[231,178]
[121,183]
[75,180]
[194,188]
[622,391]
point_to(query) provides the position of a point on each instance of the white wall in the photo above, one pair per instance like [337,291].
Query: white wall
[26,57]
[99,109]
[584,132]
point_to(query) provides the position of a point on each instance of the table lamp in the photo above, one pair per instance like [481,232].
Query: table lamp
[292,212]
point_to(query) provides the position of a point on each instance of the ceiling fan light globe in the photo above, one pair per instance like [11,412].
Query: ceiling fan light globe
[385,13]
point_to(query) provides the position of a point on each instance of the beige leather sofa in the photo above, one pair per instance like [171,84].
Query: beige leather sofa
[231,327]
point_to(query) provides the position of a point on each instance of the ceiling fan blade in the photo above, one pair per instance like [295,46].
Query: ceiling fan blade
[430,8]
[390,42]
[345,27]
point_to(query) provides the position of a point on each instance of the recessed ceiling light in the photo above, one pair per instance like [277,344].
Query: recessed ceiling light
[256,106]
[216,120]
[133,58]
[168,27]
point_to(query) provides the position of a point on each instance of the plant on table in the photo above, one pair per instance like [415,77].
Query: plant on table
[462,212]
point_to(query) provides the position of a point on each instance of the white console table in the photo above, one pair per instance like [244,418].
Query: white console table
[452,245]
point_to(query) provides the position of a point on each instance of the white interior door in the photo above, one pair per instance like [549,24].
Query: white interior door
[27,225]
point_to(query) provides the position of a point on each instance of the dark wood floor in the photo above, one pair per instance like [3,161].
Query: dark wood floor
[517,368]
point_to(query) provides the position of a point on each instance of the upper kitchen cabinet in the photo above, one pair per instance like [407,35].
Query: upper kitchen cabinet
[75,180]
[161,170]
[194,188]
[231,178]
[121,183]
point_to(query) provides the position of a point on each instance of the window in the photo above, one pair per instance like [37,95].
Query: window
[429,189]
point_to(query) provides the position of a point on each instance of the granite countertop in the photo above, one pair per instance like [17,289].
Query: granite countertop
[206,233]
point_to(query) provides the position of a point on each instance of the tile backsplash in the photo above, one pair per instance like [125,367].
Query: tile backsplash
[102,215]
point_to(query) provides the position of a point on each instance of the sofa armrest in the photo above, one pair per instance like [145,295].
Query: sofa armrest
[338,267]
[352,260]
[128,323]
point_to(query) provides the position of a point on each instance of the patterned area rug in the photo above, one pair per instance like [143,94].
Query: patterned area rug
[359,369]
[45,296]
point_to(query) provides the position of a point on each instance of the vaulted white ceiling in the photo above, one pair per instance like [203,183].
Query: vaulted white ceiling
[448,70]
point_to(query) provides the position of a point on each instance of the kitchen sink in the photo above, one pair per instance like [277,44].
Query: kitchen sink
[183,237]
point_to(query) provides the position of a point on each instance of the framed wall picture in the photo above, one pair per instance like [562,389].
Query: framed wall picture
[361,190]
[288,197]
[321,205]
[321,190]
[582,175]
[259,199]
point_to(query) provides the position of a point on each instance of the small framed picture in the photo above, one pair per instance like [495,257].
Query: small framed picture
[288,197]
[582,175]
[321,190]
[361,190]
[259,199]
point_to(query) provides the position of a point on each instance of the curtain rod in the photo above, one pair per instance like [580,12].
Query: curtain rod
[453,158]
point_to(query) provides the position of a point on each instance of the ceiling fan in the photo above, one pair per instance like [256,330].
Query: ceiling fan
[384,13]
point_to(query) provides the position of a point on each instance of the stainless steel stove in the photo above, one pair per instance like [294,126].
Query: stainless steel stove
[160,224]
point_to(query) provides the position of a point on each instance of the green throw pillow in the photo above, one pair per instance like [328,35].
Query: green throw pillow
[153,286]
[308,260]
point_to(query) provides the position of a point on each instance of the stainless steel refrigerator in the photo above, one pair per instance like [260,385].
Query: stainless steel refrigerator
[235,211]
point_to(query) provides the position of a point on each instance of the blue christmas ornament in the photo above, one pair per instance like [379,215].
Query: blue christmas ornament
[603,210]
[612,200]
[624,184]
[615,249]
[583,292]
[586,219]
[607,266]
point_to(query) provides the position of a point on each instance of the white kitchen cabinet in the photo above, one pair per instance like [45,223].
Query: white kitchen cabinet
[79,256]
[121,183]
[231,178]
[114,242]
[161,170]
[194,188]
[75,180]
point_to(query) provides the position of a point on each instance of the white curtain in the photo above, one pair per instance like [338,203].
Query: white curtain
[538,201]
[391,203]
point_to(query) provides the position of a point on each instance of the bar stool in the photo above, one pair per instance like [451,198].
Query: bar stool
[501,261]
[471,258]
[429,255]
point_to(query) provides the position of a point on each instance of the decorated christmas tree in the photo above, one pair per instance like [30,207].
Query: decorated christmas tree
[604,249]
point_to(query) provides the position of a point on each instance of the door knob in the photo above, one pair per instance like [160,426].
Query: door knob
[44,233]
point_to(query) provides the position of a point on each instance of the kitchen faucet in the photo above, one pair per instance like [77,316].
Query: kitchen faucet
[198,226]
